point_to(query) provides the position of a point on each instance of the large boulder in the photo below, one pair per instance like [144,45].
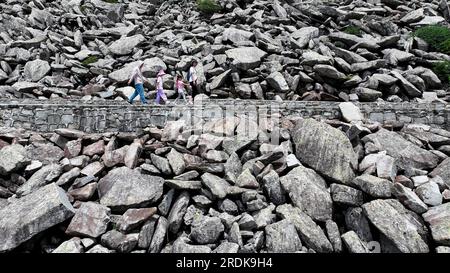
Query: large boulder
[439,220]
[304,35]
[12,158]
[219,187]
[25,217]
[150,69]
[282,237]
[329,71]
[235,35]
[36,70]
[26,86]
[396,227]
[278,82]
[40,178]
[406,153]
[47,153]
[124,188]
[90,220]
[325,149]
[126,45]
[178,211]
[310,233]
[409,199]
[443,170]
[308,191]
[207,230]
[246,57]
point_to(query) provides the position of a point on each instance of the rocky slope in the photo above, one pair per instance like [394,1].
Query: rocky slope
[292,50]
[228,186]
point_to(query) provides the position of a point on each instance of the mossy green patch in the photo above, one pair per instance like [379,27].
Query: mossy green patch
[442,69]
[438,37]
[353,30]
[208,6]
[89,60]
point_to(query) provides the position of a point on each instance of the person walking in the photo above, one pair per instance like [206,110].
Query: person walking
[138,79]
[193,79]
[159,88]
[180,89]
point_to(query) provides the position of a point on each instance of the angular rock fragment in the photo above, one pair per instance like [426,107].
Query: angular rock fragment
[395,227]
[125,188]
[47,206]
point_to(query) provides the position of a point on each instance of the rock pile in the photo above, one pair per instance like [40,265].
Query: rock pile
[292,50]
[300,185]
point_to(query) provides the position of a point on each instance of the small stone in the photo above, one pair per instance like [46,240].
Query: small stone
[133,218]
[90,220]
[282,237]
[207,230]
[429,193]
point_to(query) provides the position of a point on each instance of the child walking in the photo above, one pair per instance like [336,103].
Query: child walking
[180,88]
[159,88]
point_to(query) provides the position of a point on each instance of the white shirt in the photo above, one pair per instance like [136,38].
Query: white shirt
[192,74]
[136,76]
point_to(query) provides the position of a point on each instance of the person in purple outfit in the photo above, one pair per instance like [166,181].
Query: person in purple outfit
[159,88]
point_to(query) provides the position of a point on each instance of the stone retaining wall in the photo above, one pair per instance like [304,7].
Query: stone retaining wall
[103,116]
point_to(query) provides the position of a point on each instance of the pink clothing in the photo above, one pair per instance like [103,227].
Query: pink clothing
[180,85]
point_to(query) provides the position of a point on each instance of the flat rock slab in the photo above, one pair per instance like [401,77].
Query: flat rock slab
[246,57]
[25,217]
[396,227]
[406,153]
[439,220]
[184,185]
[124,188]
[90,220]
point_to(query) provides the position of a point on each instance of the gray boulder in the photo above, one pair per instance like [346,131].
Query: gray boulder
[282,237]
[396,227]
[374,186]
[325,149]
[278,82]
[219,187]
[36,70]
[90,220]
[25,217]
[126,45]
[406,153]
[310,233]
[207,230]
[246,57]
[353,243]
[124,188]
[42,177]
[12,158]
[308,191]
[439,220]
[178,211]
